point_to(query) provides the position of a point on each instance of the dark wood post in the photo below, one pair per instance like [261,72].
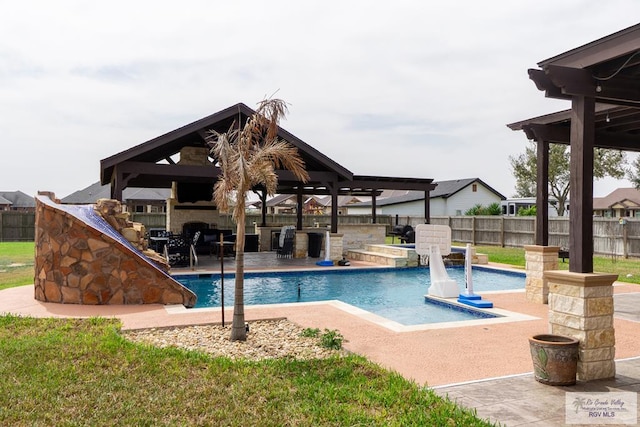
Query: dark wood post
[427,207]
[299,210]
[581,189]
[542,193]
[374,216]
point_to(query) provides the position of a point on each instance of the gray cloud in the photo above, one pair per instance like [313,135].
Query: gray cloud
[436,81]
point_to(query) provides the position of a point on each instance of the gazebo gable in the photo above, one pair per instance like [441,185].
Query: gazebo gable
[154,157]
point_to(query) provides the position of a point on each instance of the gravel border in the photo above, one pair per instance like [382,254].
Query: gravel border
[266,339]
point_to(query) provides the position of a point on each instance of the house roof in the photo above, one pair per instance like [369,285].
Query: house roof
[149,165]
[18,199]
[281,199]
[4,201]
[444,189]
[626,197]
[97,191]
[342,200]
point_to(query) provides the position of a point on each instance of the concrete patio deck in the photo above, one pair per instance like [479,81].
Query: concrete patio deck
[485,365]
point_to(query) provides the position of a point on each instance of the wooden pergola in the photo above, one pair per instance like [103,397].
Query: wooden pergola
[150,165]
[602,81]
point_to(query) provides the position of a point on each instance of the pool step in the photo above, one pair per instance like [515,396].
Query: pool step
[385,255]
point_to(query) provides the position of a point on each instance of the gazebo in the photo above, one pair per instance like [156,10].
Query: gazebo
[153,164]
[602,81]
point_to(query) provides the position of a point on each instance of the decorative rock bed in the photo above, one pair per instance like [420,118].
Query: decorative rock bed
[265,339]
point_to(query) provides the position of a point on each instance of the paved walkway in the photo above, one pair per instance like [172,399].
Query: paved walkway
[522,401]
[485,365]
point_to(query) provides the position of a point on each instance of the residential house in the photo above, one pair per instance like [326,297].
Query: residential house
[5,204]
[312,205]
[134,200]
[16,201]
[450,198]
[620,203]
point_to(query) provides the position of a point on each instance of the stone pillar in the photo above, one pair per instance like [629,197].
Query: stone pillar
[539,259]
[301,245]
[581,306]
[336,246]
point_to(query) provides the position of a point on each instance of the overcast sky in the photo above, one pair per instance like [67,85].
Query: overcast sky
[405,88]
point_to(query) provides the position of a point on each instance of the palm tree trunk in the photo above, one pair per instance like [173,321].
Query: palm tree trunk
[238,330]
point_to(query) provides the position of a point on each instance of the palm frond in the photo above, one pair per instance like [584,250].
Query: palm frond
[283,155]
[272,110]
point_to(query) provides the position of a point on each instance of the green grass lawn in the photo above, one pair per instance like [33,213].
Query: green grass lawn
[83,372]
[12,254]
[628,270]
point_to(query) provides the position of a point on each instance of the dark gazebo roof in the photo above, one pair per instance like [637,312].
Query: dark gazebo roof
[616,127]
[150,165]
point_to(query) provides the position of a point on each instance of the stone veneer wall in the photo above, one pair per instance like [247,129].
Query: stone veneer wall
[301,245]
[76,264]
[357,236]
[539,259]
[581,306]
[336,250]
[190,212]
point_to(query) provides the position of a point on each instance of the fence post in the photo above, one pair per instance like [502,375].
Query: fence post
[502,232]
[625,251]
[473,230]
[1,227]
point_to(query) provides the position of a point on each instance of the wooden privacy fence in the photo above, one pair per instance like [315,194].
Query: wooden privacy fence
[17,226]
[610,236]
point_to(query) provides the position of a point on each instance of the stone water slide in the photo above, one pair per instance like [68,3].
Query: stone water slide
[82,257]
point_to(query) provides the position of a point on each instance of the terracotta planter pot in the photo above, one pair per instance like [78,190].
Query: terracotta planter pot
[555,359]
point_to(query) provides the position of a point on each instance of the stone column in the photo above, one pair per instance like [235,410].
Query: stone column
[336,246]
[539,259]
[581,306]
[301,246]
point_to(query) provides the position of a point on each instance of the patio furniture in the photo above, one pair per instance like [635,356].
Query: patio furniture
[193,256]
[286,248]
[176,251]
[563,253]
[158,239]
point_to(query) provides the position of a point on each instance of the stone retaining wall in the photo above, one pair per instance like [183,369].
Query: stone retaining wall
[77,264]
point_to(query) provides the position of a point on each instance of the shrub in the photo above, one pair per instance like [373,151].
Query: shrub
[310,332]
[332,339]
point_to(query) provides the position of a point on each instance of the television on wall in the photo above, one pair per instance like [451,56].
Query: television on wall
[194,192]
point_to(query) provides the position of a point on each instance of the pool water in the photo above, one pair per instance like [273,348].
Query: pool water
[396,294]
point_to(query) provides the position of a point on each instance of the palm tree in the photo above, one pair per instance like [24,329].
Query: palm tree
[248,157]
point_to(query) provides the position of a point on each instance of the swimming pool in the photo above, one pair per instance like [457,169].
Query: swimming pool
[395,293]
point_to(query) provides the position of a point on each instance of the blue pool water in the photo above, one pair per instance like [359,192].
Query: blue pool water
[396,294]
